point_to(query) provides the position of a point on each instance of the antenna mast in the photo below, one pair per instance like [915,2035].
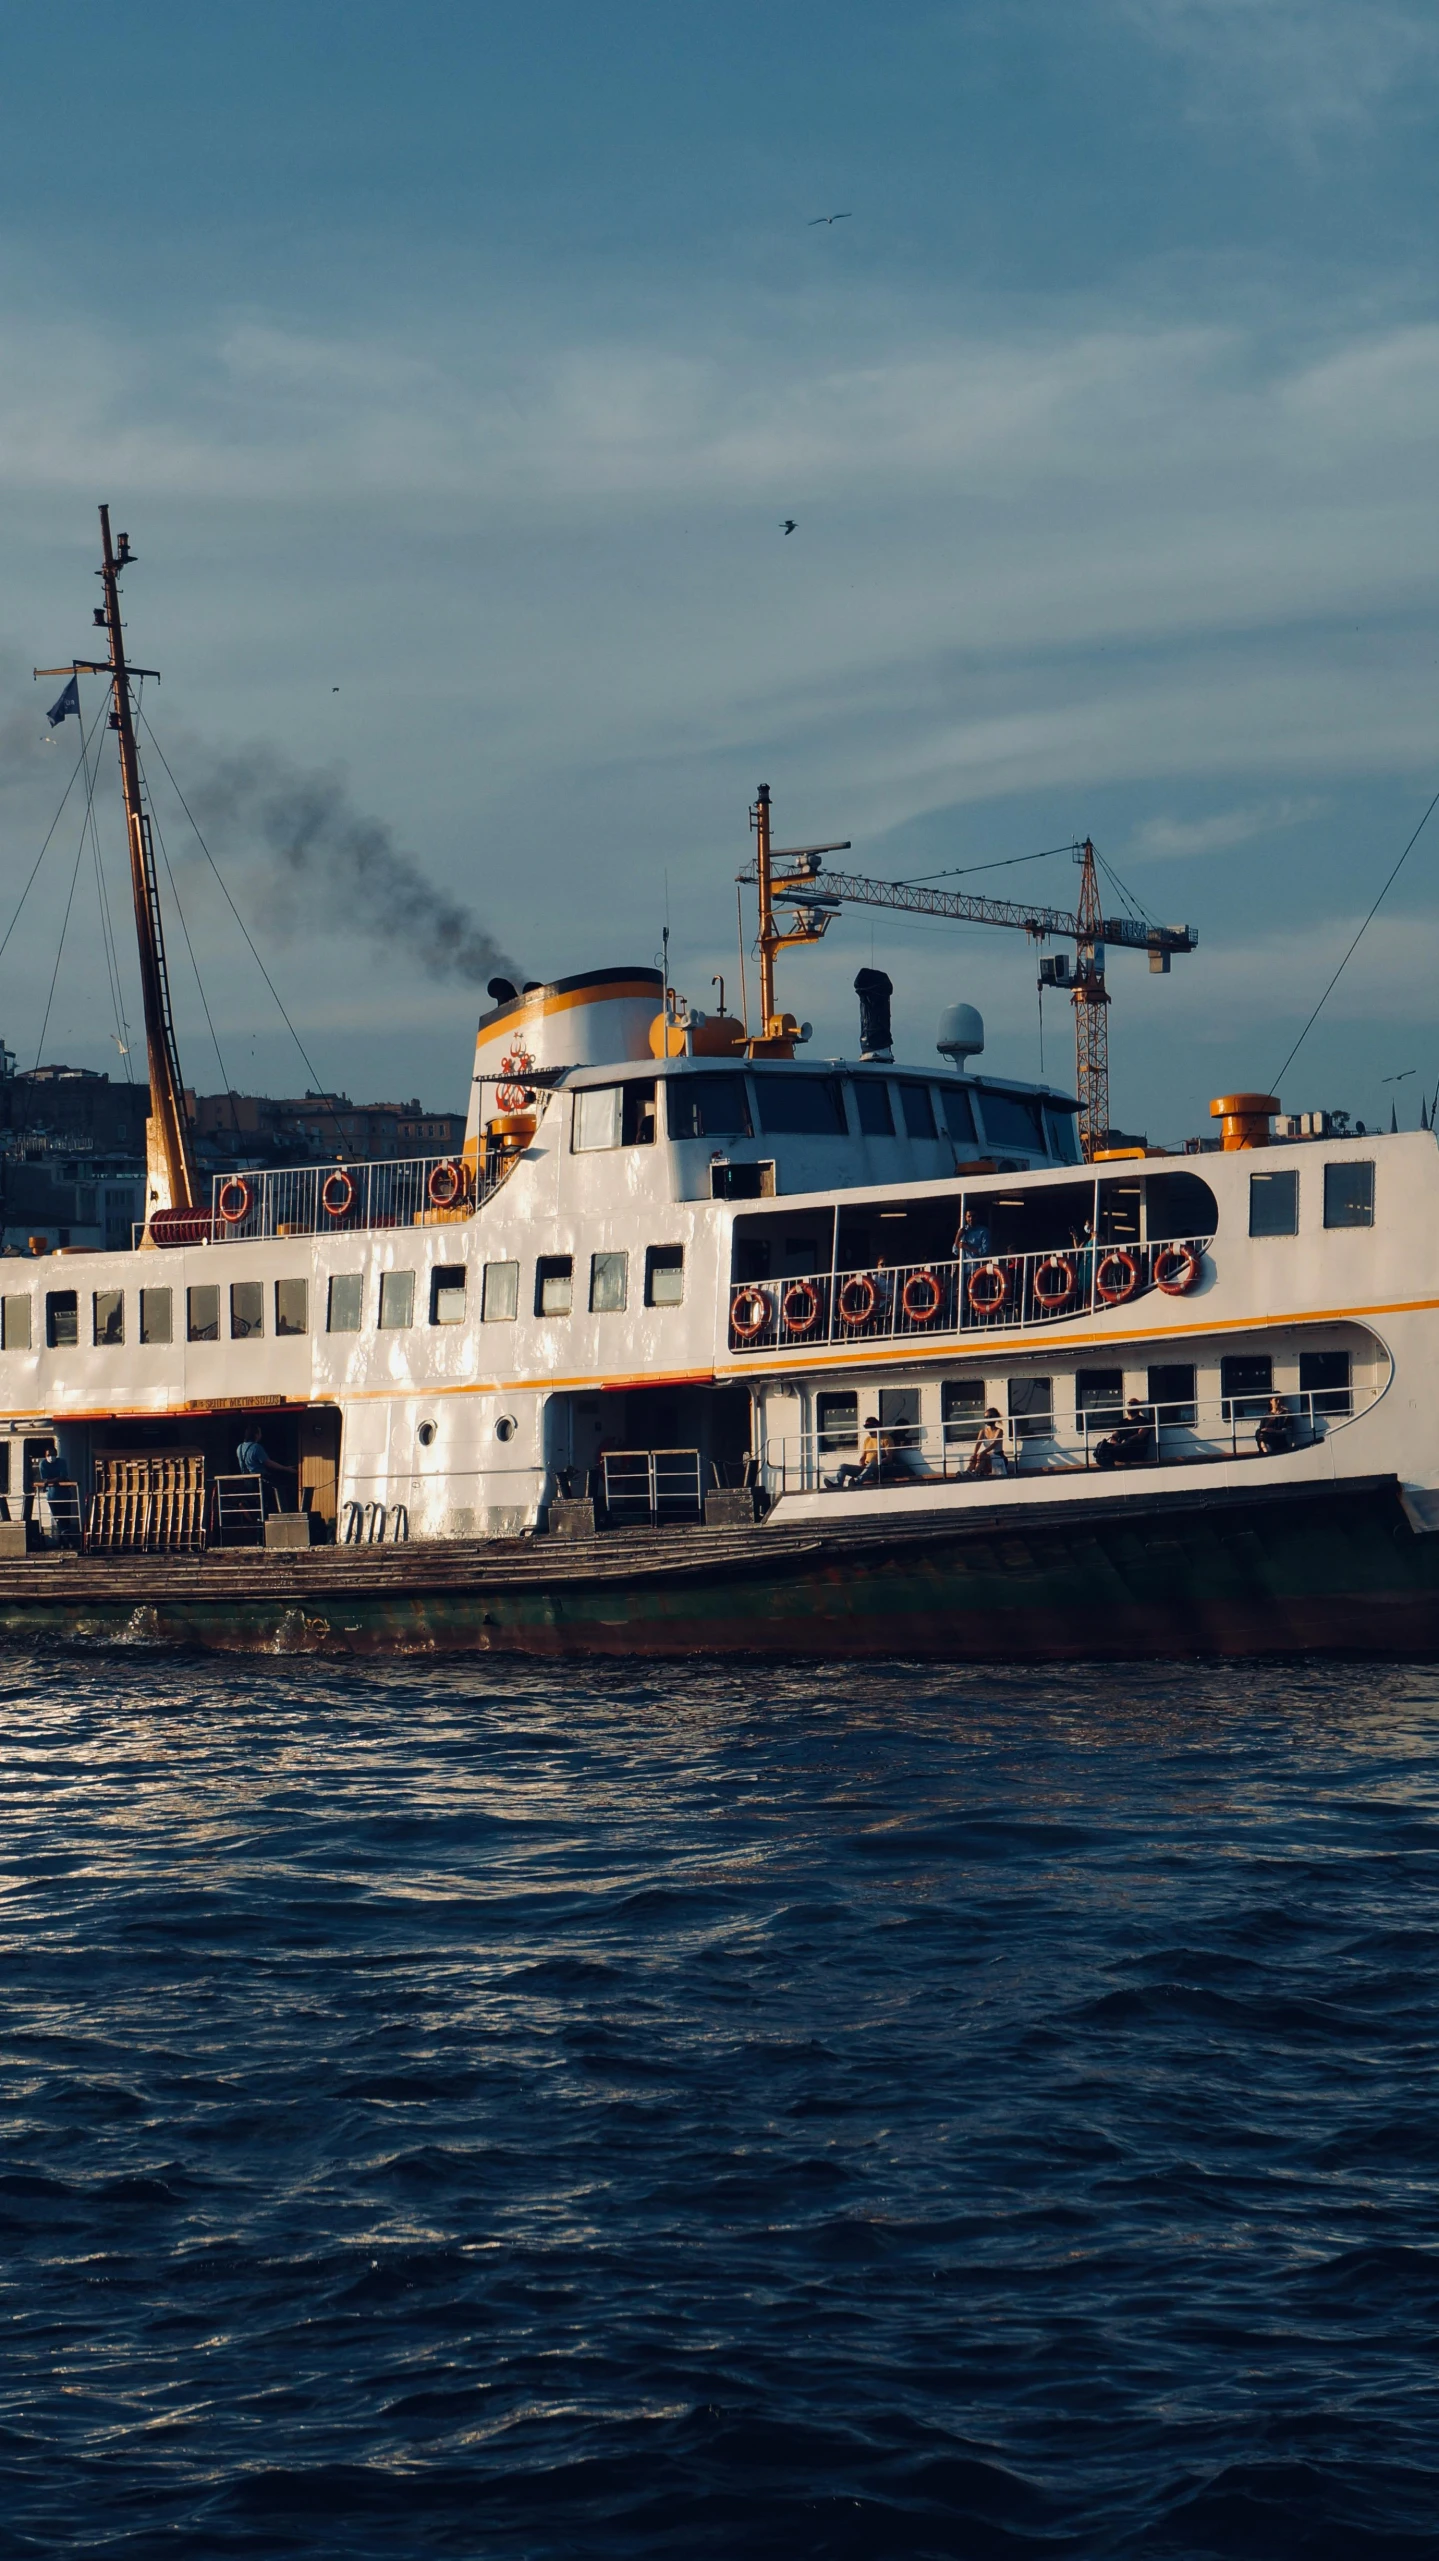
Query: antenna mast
[170,1162]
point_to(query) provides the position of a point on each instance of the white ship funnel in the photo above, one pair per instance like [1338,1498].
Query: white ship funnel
[599,1019]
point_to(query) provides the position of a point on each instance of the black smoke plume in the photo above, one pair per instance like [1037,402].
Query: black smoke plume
[330,862]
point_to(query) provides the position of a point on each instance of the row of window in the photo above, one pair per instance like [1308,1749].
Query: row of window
[288,1301]
[1348,1198]
[1246,1383]
[725,1104]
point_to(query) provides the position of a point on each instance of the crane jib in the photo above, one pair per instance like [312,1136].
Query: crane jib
[1058,923]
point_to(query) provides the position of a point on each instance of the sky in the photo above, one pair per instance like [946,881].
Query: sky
[453,370]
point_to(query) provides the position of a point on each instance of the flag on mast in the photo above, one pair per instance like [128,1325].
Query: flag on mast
[69,701]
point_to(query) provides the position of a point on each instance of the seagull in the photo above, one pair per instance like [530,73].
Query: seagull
[334,689]
[816,219]
[789,524]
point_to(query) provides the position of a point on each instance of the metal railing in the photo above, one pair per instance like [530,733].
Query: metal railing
[1114,1438]
[320,1200]
[652,1484]
[972,1293]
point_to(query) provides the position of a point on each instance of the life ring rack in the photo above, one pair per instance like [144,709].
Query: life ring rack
[924,1286]
[988,1304]
[1052,1299]
[448,1183]
[804,1292]
[1177,1281]
[744,1322]
[1129,1267]
[337,1193]
[860,1286]
[234,1189]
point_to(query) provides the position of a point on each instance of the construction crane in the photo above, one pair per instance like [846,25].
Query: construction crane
[815,895]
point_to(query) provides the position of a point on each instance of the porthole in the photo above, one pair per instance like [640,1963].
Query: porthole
[426,1434]
[505,1428]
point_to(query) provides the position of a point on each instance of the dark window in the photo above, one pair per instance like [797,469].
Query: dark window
[1178,1205]
[1011,1120]
[609,1284]
[1274,1203]
[292,1307]
[918,1111]
[554,1284]
[1063,1129]
[961,1407]
[1171,1392]
[614,1116]
[837,1414]
[1246,1382]
[1349,1195]
[202,1313]
[1099,1395]
[1031,1408]
[871,1101]
[447,1294]
[62,1319]
[109,1315]
[156,1318]
[247,1310]
[397,1299]
[346,1302]
[500,1297]
[15,1320]
[664,1275]
[809,1106]
[707,1107]
[958,1112]
[1325,1377]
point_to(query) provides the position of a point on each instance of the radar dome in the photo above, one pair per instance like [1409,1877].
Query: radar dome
[961,1033]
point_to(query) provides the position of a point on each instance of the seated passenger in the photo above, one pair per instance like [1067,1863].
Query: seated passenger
[868,1468]
[988,1457]
[1133,1444]
[1275,1434]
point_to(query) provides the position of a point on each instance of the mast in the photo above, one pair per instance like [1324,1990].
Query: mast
[768,935]
[170,1161]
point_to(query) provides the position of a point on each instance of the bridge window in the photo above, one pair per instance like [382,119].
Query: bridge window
[609,1284]
[397,1299]
[708,1107]
[247,1310]
[1063,1131]
[554,1284]
[664,1275]
[500,1294]
[108,1311]
[801,1106]
[614,1116]
[1274,1203]
[918,1111]
[1325,1377]
[447,1294]
[1012,1120]
[347,1293]
[292,1307]
[156,1317]
[202,1314]
[1349,1195]
[871,1102]
[1171,1392]
[62,1319]
[15,1324]
[958,1111]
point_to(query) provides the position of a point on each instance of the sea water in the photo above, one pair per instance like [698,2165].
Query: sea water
[476,2109]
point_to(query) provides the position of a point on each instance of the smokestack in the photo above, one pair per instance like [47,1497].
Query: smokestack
[874,990]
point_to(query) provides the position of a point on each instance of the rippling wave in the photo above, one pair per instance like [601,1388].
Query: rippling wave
[890,2112]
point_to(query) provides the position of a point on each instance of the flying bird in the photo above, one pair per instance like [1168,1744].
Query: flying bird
[789,524]
[816,219]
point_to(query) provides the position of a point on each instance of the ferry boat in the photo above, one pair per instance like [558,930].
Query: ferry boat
[705,1345]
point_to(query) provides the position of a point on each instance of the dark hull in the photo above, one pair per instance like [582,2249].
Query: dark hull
[1332,1568]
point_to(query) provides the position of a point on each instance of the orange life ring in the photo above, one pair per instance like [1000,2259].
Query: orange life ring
[232,1185]
[849,1314]
[806,1292]
[987,1306]
[337,1193]
[446,1184]
[925,1283]
[1129,1264]
[516,1097]
[1180,1280]
[747,1325]
[1048,1298]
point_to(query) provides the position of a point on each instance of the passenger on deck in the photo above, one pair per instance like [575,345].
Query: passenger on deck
[867,1471]
[253,1459]
[972,1238]
[1275,1434]
[1133,1444]
[988,1458]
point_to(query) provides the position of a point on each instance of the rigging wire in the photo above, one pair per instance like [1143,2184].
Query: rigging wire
[311,1069]
[963,870]
[54,823]
[184,928]
[64,929]
[1359,937]
[1136,906]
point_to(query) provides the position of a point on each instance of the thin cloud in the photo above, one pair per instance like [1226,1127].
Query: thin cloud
[1157,838]
[1306,68]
